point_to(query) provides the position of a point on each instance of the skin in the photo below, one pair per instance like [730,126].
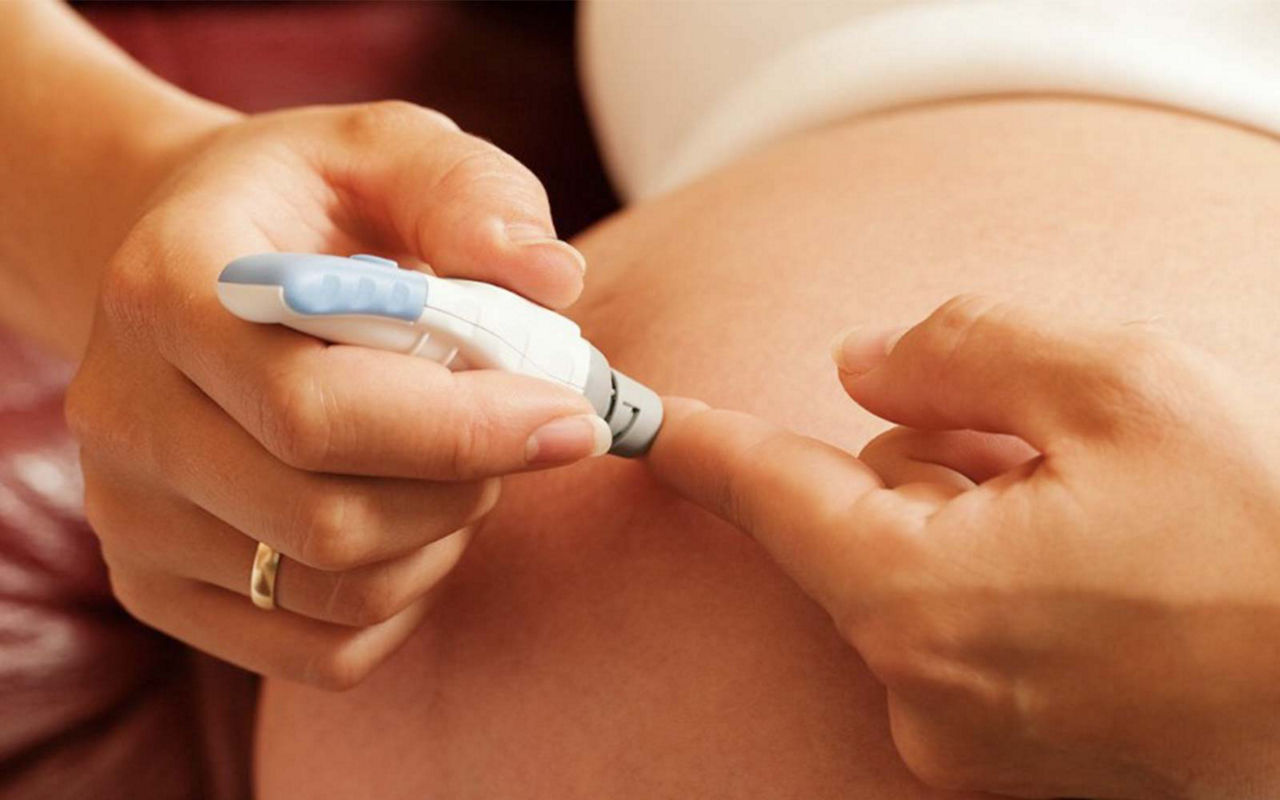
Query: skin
[202,435]
[603,638]
[984,578]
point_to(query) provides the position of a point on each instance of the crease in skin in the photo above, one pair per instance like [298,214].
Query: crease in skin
[600,638]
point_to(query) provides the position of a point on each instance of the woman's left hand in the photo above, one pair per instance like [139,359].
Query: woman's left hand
[1083,601]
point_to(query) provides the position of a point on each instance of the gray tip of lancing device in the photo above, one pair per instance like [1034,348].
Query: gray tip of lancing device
[633,410]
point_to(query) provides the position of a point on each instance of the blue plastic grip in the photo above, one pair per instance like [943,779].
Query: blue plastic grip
[318,285]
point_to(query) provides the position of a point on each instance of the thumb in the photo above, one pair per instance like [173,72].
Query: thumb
[453,200]
[986,365]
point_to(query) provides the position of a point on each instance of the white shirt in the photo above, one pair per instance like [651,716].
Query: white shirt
[677,89]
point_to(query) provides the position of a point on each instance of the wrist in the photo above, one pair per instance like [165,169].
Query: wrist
[88,137]
[149,154]
[135,161]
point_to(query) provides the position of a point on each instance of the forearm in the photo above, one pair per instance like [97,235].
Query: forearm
[85,136]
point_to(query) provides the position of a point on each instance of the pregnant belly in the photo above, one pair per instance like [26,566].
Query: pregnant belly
[602,639]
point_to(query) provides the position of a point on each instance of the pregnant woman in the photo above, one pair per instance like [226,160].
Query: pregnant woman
[596,634]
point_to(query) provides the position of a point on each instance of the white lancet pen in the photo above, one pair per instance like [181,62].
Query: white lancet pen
[369,301]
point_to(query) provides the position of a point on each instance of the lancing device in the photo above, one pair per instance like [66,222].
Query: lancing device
[369,301]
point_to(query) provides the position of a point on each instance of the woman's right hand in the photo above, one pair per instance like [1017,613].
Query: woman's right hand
[203,434]
[1062,568]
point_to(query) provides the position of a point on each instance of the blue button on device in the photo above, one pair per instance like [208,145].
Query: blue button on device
[330,285]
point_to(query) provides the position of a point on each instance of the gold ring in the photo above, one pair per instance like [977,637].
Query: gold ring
[262,580]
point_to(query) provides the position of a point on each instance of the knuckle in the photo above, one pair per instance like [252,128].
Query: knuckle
[964,311]
[958,322]
[877,516]
[128,591]
[479,168]
[485,497]
[895,648]
[376,598]
[106,427]
[1146,377]
[480,163]
[121,539]
[942,757]
[934,766]
[294,421]
[332,528]
[438,119]
[943,751]
[457,454]
[887,448]
[442,556]
[126,293]
[116,534]
[372,122]
[340,667]
[468,446]
[134,289]
[383,593]
[740,490]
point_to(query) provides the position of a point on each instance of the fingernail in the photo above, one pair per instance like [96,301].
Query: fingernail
[862,349]
[526,235]
[568,439]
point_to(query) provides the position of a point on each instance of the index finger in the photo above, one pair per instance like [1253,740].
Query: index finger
[360,411]
[455,201]
[347,409]
[812,506]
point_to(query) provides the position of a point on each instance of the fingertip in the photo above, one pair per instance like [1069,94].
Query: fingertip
[676,408]
[568,439]
[525,235]
[556,271]
[548,270]
[523,257]
[675,411]
[864,390]
[858,350]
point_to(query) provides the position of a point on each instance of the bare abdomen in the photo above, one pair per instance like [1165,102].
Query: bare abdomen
[601,639]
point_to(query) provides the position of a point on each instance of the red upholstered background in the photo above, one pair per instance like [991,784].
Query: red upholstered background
[92,704]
